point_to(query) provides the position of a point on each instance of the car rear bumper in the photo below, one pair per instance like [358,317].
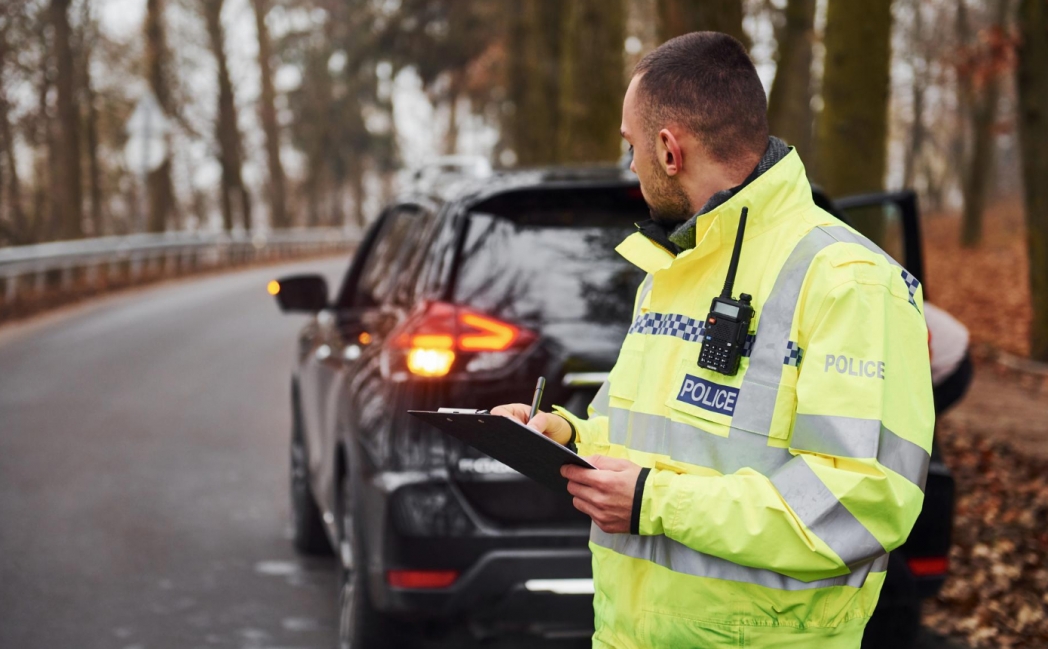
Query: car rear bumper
[530,591]
[495,590]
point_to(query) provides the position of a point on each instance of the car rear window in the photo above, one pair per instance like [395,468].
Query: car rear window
[549,256]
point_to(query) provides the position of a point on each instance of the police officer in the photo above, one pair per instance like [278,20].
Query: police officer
[754,509]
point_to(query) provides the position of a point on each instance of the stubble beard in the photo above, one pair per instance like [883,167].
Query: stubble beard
[668,204]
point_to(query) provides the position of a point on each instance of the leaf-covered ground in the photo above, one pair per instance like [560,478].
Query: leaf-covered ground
[988,287]
[997,594]
[996,444]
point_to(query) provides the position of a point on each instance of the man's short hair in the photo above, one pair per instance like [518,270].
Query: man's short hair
[706,83]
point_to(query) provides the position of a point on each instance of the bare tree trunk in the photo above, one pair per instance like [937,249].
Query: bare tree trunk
[678,17]
[917,85]
[1032,83]
[591,81]
[454,93]
[279,217]
[14,186]
[94,169]
[160,189]
[534,79]
[356,190]
[789,104]
[47,177]
[68,139]
[19,228]
[234,196]
[853,128]
[89,118]
[313,185]
[978,173]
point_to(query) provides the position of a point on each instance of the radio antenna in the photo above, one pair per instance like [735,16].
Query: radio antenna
[733,267]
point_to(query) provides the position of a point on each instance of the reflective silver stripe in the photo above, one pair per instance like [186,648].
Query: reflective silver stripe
[824,514]
[904,457]
[844,235]
[601,402]
[686,443]
[861,438]
[760,385]
[678,557]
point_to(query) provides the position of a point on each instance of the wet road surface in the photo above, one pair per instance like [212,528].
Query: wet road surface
[143,474]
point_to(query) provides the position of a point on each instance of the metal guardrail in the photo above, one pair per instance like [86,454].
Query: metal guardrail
[126,260]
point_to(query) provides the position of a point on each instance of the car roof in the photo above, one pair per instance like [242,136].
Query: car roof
[469,190]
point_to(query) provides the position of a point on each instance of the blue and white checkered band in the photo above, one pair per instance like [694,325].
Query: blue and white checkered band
[747,347]
[680,326]
[912,284]
[670,324]
[794,354]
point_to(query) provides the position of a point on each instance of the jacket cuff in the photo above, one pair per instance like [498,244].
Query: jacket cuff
[570,418]
[638,500]
[571,446]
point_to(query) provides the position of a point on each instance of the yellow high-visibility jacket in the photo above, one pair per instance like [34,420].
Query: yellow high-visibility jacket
[774,495]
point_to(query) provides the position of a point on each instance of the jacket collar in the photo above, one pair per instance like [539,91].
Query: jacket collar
[771,197]
[684,235]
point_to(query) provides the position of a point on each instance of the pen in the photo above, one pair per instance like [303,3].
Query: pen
[539,387]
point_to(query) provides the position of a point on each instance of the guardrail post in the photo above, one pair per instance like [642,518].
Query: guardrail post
[91,275]
[11,288]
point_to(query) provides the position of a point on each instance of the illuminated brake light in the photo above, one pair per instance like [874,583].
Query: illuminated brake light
[432,338]
[928,566]
[496,337]
[421,578]
[430,362]
[432,341]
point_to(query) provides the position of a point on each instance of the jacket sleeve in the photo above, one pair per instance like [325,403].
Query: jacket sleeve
[860,442]
[591,435]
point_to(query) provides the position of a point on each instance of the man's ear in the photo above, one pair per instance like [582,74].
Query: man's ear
[669,152]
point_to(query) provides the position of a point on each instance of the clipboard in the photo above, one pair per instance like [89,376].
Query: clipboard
[510,442]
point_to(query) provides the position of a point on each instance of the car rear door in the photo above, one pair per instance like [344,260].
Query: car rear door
[380,300]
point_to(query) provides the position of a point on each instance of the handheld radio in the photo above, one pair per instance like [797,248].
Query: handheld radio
[729,320]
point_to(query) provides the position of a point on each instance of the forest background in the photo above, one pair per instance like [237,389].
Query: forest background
[120,116]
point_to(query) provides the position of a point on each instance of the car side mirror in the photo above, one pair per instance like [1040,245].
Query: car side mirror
[300,293]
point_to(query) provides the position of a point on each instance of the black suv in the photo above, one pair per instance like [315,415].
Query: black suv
[461,294]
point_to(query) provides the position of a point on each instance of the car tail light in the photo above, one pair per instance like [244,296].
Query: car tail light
[928,566]
[421,578]
[430,341]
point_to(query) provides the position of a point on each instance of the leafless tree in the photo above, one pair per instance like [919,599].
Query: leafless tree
[1033,128]
[853,128]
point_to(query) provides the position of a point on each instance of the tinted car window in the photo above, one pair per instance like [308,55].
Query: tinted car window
[551,258]
[416,248]
[393,247]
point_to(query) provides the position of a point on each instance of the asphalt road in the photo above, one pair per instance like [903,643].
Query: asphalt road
[143,474]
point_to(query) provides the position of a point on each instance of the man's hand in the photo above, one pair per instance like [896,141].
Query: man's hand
[604,494]
[552,426]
